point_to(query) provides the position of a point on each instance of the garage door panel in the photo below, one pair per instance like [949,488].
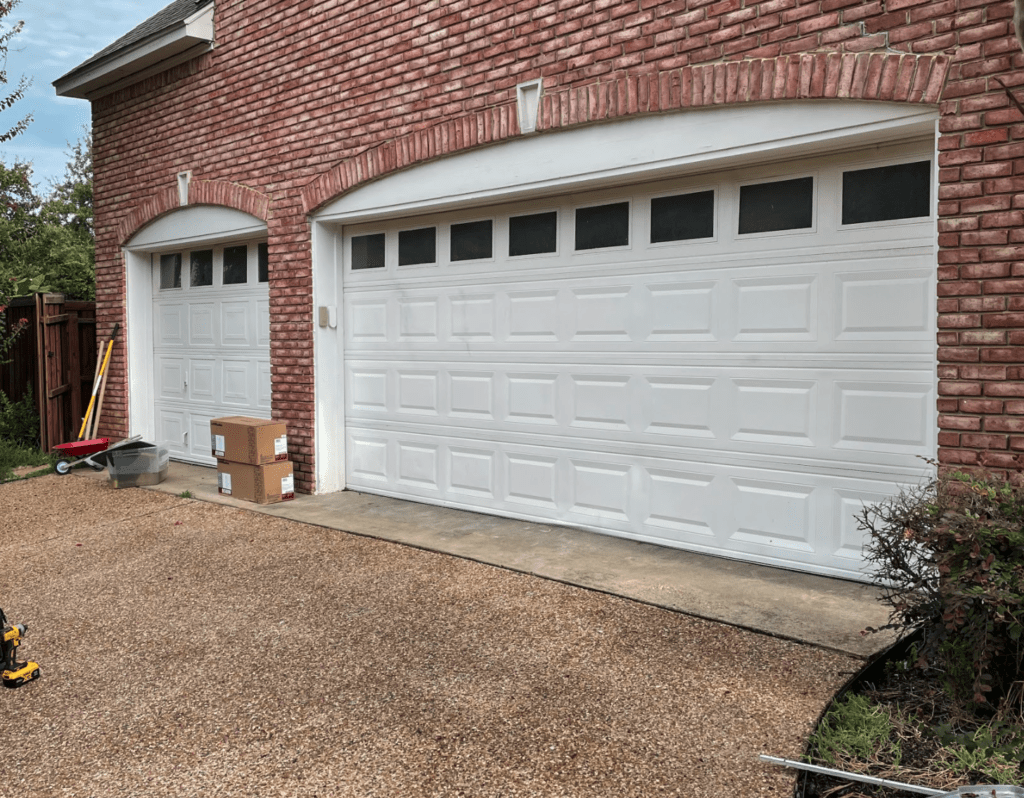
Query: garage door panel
[171,377]
[768,515]
[736,395]
[472,472]
[534,316]
[170,325]
[774,309]
[604,314]
[417,319]
[418,392]
[891,305]
[473,318]
[238,381]
[368,458]
[779,412]
[883,417]
[202,317]
[681,503]
[678,312]
[601,489]
[202,386]
[235,324]
[171,426]
[879,413]
[472,394]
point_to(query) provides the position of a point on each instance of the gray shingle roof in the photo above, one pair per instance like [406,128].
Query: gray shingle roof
[171,15]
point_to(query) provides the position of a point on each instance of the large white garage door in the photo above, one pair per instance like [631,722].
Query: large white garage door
[211,342]
[729,363]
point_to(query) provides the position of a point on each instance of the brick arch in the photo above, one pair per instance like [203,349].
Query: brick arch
[200,192]
[892,77]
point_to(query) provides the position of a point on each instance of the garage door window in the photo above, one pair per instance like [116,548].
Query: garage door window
[170,271]
[416,247]
[236,263]
[201,268]
[368,251]
[683,217]
[533,234]
[602,226]
[780,205]
[901,191]
[472,240]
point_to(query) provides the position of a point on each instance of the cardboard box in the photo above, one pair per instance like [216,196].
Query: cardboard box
[241,439]
[265,484]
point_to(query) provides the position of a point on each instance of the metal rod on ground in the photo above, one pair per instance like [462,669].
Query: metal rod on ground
[842,774]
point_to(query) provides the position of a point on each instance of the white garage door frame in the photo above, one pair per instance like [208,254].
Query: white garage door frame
[188,228]
[620,153]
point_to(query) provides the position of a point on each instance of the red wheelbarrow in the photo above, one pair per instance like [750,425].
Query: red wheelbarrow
[70,453]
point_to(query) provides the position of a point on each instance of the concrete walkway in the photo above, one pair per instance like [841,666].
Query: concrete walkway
[821,611]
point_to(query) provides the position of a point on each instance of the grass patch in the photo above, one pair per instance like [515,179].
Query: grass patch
[855,729]
[185,494]
[12,456]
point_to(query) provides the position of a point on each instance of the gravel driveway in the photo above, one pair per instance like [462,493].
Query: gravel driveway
[192,649]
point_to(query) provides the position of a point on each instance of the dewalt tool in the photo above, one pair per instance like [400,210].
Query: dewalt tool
[14,673]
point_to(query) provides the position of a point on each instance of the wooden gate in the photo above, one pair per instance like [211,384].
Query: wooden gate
[56,356]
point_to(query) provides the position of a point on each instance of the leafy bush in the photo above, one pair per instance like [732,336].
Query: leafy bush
[19,421]
[949,558]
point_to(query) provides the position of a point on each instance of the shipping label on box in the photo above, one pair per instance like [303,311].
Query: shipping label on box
[224,483]
[241,439]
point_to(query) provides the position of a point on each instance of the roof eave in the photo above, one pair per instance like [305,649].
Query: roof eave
[173,45]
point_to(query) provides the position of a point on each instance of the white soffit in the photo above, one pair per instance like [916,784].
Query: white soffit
[635,149]
[197,224]
[182,42]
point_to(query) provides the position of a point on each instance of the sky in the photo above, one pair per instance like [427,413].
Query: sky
[58,36]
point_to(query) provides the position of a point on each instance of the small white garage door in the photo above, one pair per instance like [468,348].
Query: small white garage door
[729,363]
[211,342]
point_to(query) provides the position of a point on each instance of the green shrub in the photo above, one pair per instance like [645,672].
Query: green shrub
[19,421]
[949,558]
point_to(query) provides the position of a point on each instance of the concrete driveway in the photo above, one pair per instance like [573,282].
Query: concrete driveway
[193,648]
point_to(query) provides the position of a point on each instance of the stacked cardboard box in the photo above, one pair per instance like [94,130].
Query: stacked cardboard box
[252,459]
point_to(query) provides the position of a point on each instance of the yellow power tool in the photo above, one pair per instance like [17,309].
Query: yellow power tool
[14,673]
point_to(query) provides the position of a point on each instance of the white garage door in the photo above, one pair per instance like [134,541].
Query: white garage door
[729,363]
[211,342]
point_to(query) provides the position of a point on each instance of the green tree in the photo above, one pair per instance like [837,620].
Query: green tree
[47,243]
[63,248]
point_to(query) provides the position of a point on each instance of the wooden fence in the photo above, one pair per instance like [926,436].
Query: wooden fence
[55,355]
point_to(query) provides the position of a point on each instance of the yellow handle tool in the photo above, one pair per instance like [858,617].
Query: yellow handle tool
[99,379]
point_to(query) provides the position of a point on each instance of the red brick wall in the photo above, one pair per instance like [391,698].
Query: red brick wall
[303,99]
